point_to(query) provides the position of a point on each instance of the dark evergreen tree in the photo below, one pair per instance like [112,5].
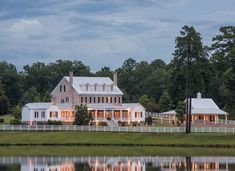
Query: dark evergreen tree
[82,117]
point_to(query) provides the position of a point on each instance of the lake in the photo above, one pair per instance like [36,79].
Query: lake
[117,163]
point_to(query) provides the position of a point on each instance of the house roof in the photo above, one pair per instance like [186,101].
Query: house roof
[123,106]
[171,112]
[38,105]
[79,84]
[46,105]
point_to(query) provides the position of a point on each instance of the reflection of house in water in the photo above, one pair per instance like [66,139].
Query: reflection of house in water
[120,163]
[115,164]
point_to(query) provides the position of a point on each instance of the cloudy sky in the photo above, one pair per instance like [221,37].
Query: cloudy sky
[103,32]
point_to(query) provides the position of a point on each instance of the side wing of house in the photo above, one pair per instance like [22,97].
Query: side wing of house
[64,93]
[138,113]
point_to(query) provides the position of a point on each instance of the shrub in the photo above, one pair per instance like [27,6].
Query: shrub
[15,122]
[50,122]
[1,120]
[103,124]
[134,124]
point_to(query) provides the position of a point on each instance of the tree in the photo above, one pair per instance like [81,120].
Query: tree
[105,72]
[149,120]
[30,96]
[165,103]
[180,112]
[82,117]
[16,113]
[189,49]
[4,103]
[149,103]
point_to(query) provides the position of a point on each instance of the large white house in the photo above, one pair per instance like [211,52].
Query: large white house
[100,94]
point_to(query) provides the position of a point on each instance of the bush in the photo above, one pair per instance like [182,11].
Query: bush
[1,120]
[15,122]
[103,124]
[50,122]
[134,124]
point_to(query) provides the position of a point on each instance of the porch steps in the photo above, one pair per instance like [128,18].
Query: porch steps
[112,123]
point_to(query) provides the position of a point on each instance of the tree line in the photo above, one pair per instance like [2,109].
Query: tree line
[157,85]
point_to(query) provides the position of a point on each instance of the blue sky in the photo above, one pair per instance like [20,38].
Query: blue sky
[103,32]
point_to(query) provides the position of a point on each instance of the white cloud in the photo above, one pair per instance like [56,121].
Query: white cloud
[25,25]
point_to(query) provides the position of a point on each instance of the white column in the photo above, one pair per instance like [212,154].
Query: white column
[95,114]
[226,119]
[104,114]
[192,119]
[204,118]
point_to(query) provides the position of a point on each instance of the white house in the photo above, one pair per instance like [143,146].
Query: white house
[100,94]
[203,109]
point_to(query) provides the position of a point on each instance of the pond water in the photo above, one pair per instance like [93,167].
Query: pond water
[107,163]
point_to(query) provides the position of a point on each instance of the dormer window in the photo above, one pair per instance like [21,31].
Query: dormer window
[112,87]
[95,87]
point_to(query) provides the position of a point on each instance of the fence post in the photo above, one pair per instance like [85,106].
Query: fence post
[36,128]
[111,129]
[28,128]
[134,129]
[149,129]
[126,129]
[178,130]
[4,128]
[210,130]
[74,128]
[44,128]
[225,130]
[59,128]
[52,128]
[217,130]
[11,127]
[89,128]
[20,128]
[196,129]
[67,128]
[119,128]
[82,128]
[104,128]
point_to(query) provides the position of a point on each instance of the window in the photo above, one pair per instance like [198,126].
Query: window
[135,114]
[90,100]
[54,114]
[81,99]
[60,88]
[67,99]
[94,101]
[62,100]
[43,115]
[107,100]
[64,88]
[111,99]
[141,114]
[119,99]
[98,99]
[102,99]
[35,114]
[115,99]
[85,99]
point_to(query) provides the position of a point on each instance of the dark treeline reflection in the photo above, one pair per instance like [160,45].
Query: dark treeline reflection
[143,163]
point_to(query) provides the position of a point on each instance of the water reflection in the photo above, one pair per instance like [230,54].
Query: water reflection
[144,163]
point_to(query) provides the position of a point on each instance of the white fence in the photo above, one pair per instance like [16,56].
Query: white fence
[130,129]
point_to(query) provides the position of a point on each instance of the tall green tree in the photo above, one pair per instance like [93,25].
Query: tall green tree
[189,49]
[105,72]
[82,116]
[149,103]
[180,112]
[4,103]
[165,103]
[30,96]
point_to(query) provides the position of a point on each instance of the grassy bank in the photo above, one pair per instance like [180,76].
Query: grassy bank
[115,139]
[114,151]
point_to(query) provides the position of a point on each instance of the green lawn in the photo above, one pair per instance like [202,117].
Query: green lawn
[7,119]
[94,138]
[114,151]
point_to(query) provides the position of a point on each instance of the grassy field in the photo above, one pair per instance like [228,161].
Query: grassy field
[122,139]
[114,151]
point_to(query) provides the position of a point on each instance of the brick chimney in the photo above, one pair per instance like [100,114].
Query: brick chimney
[71,78]
[115,78]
